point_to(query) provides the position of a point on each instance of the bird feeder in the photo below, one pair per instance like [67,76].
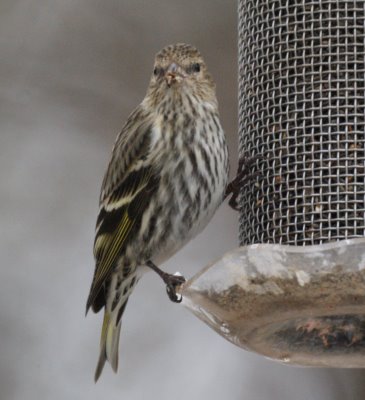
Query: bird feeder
[295,289]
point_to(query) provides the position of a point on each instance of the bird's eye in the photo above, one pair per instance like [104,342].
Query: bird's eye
[156,71]
[196,67]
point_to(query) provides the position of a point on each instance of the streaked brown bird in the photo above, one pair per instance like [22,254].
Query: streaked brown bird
[167,175]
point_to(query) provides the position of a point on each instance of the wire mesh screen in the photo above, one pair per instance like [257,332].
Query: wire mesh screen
[301,105]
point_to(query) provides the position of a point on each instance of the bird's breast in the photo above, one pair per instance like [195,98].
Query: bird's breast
[192,157]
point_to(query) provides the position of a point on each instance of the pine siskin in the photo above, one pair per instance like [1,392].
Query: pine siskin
[166,177]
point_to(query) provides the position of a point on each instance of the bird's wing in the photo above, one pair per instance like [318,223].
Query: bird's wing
[126,189]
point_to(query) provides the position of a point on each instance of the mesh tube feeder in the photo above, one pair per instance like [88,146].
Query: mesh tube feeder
[295,289]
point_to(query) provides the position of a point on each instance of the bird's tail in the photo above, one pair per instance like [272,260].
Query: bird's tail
[109,344]
[110,332]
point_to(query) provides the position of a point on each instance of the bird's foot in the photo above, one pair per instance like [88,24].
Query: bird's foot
[243,176]
[172,281]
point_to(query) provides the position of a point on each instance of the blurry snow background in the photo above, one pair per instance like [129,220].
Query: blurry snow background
[70,73]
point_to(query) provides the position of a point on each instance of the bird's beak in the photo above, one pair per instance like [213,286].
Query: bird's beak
[173,74]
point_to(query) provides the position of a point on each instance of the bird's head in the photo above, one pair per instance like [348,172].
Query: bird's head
[180,69]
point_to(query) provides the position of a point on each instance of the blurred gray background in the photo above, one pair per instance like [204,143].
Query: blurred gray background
[70,73]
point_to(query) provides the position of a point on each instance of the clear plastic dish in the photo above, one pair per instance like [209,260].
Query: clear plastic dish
[297,305]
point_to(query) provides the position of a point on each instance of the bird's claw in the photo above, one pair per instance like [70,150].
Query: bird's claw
[242,177]
[172,282]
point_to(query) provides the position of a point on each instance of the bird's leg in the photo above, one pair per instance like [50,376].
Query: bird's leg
[240,180]
[171,281]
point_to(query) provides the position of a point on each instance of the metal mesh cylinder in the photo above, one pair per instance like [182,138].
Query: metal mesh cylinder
[302,105]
